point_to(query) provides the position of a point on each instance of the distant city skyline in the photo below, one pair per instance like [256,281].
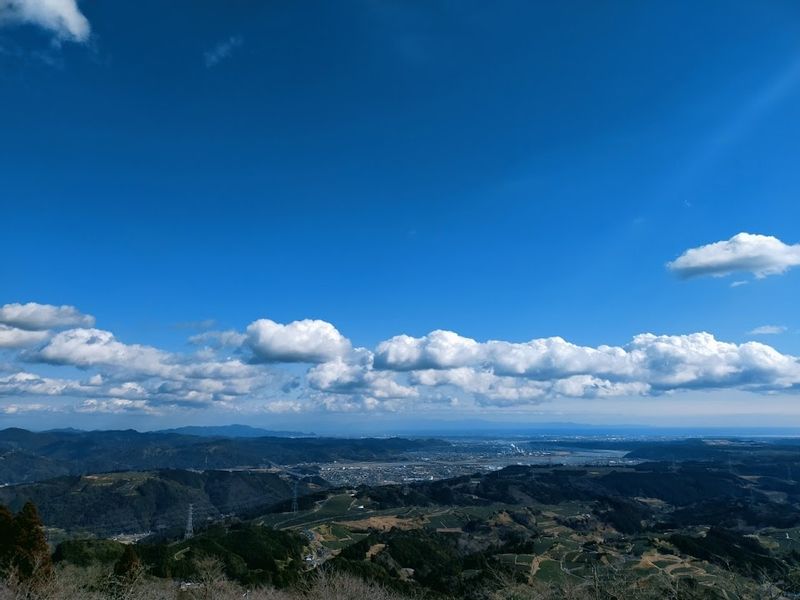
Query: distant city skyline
[380,217]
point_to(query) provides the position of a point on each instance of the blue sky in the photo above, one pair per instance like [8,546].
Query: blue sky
[510,172]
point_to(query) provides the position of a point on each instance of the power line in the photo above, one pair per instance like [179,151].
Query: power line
[173,517]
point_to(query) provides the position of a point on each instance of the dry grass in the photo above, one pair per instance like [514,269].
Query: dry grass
[70,583]
[384,523]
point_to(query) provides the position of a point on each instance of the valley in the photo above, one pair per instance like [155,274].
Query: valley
[459,518]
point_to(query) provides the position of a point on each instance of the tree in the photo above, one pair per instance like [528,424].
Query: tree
[128,566]
[210,575]
[128,572]
[31,554]
[6,538]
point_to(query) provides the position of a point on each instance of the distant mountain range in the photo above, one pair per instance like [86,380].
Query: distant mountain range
[233,431]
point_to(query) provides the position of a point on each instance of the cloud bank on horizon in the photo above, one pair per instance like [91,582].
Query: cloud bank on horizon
[308,365]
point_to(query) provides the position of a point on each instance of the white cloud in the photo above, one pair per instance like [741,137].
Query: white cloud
[116,406]
[219,339]
[196,392]
[11,337]
[93,347]
[438,350]
[222,50]
[309,340]
[547,367]
[351,383]
[24,383]
[15,409]
[284,406]
[554,357]
[144,372]
[128,390]
[761,255]
[485,385]
[61,17]
[402,372]
[350,404]
[344,377]
[539,358]
[36,317]
[124,371]
[699,360]
[491,389]
[586,386]
[500,372]
[767,330]
[338,375]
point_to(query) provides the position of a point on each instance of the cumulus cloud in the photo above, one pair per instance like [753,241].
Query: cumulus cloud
[438,350]
[92,347]
[116,406]
[400,373]
[538,358]
[491,389]
[485,385]
[587,386]
[135,371]
[24,383]
[699,360]
[33,407]
[761,255]
[309,341]
[350,382]
[11,337]
[504,373]
[37,317]
[541,368]
[62,18]
[768,330]
[357,378]
[223,50]
[349,403]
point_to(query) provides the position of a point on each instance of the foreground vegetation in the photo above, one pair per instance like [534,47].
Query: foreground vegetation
[67,582]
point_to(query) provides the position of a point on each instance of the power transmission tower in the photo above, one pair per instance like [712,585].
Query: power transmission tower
[295,507]
[189,526]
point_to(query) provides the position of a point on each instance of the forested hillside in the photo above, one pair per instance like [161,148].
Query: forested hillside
[29,456]
[151,501]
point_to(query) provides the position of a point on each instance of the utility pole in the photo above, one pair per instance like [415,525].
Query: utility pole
[189,526]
